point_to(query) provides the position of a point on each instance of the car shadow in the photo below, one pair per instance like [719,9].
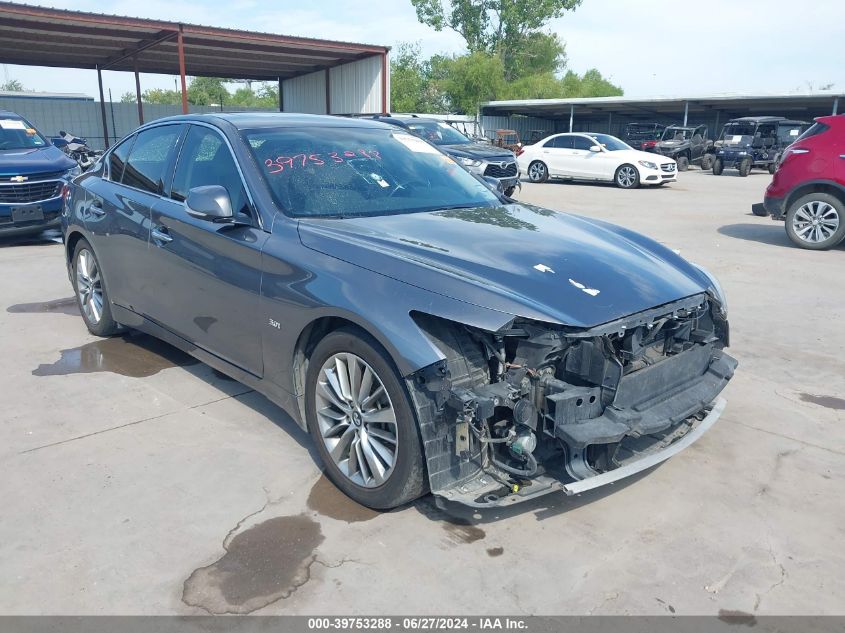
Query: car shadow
[45,238]
[773,234]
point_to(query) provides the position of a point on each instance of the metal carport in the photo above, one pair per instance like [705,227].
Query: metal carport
[37,36]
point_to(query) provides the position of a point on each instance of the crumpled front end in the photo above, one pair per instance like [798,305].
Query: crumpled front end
[534,408]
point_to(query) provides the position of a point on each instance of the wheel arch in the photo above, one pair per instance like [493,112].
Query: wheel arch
[814,186]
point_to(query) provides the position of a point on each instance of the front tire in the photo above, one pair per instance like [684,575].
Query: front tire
[745,167]
[706,162]
[91,294]
[538,172]
[509,192]
[816,221]
[627,177]
[683,163]
[360,417]
[718,167]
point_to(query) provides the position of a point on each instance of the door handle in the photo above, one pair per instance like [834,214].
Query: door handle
[161,236]
[95,209]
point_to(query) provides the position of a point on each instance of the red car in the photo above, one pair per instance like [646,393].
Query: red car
[808,187]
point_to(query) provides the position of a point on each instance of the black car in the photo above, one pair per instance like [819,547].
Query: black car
[755,141]
[428,332]
[482,159]
[32,175]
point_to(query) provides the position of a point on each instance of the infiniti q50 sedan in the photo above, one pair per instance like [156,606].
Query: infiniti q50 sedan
[430,334]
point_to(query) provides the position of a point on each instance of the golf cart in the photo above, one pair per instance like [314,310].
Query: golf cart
[643,136]
[686,145]
[754,141]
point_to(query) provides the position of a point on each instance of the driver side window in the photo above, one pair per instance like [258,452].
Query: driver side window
[582,142]
[206,160]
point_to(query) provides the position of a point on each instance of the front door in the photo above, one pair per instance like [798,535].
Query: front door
[207,276]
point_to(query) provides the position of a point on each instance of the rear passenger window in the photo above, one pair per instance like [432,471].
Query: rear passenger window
[205,159]
[149,157]
[559,142]
[117,159]
[582,142]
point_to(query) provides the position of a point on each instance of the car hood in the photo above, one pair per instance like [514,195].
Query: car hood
[22,162]
[482,151]
[523,260]
[632,156]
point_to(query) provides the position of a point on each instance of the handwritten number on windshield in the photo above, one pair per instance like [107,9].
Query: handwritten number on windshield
[281,163]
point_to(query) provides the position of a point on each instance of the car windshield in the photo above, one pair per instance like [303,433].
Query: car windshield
[677,134]
[610,143]
[438,132]
[349,172]
[19,134]
[734,132]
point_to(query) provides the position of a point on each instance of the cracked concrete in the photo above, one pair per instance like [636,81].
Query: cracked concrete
[116,489]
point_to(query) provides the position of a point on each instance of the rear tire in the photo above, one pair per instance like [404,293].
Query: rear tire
[92,296]
[745,167]
[356,423]
[706,162]
[718,167]
[683,163]
[773,167]
[509,192]
[829,214]
[759,210]
[538,172]
[627,177]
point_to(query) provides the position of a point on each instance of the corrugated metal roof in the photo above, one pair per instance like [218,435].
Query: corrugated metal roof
[40,36]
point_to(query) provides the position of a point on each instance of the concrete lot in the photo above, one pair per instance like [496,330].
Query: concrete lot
[136,481]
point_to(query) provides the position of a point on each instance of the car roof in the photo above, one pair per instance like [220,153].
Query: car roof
[254,120]
[757,119]
[8,113]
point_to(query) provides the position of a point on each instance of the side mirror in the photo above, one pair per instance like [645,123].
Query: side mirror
[595,148]
[210,202]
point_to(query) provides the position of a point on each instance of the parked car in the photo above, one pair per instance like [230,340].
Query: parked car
[482,159]
[808,187]
[32,174]
[643,136]
[754,141]
[591,156]
[429,333]
[687,145]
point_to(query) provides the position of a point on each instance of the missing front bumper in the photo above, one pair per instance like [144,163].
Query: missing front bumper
[488,490]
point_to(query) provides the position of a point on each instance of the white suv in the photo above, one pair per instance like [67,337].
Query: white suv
[589,156]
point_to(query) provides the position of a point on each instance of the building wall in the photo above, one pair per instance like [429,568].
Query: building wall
[354,88]
[83,118]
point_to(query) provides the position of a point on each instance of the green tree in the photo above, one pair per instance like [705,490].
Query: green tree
[12,85]
[162,96]
[496,26]
[468,80]
[207,91]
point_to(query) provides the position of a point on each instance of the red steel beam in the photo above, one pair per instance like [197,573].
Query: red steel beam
[182,71]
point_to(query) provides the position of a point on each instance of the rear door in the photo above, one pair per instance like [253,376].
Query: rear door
[206,277]
[551,153]
[118,207]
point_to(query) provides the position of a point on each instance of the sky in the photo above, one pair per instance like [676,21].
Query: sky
[648,47]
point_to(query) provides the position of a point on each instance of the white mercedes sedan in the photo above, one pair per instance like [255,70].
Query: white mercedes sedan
[591,156]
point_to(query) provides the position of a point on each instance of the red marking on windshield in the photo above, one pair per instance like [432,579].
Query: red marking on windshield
[281,163]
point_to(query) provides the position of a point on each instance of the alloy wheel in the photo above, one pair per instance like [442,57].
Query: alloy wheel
[89,286]
[626,176]
[356,420]
[536,172]
[815,221]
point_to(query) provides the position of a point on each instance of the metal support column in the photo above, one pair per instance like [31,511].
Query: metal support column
[281,97]
[103,108]
[610,123]
[571,116]
[138,93]
[328,92]
[835,105]
[384,73]
[181,44]
[686,112]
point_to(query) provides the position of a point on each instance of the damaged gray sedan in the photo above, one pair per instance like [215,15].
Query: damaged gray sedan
[430,334]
